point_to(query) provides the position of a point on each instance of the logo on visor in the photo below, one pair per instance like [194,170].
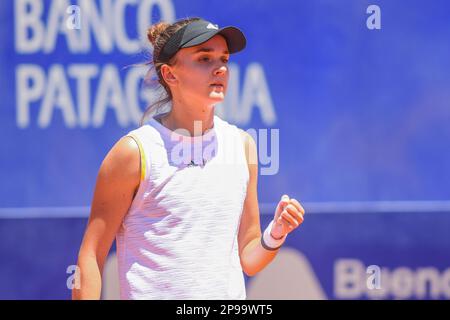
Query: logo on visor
[212,26]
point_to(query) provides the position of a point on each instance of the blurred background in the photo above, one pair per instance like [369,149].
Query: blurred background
[359,94]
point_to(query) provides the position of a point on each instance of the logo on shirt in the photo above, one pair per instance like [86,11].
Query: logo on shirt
[193,164]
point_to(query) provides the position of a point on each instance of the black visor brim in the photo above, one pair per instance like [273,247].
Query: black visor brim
[234,37]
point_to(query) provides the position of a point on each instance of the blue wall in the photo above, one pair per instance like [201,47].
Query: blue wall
[362,116]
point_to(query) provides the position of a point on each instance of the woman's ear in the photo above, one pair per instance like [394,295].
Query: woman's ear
[167,74]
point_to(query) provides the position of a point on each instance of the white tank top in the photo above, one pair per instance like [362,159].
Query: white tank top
[179,237]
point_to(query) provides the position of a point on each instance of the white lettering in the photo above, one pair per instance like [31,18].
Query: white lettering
[28,20]
[401,283]
[74,280]
[134,90]
[110,94]
[167,12]
[83,74]
[74,20]
[102,19]
[98,23]
[57,94]
[123,42]
[347,278]
[56,25]
[30,81]
[256,94]
[374,280]
[374,20]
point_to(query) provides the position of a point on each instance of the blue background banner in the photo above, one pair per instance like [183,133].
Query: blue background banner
[327,259]
[361,116]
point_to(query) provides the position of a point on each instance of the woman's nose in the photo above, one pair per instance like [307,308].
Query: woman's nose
[220,70]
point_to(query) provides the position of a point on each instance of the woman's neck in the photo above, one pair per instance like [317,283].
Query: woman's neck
[196,122]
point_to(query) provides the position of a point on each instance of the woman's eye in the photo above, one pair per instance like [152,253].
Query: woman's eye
[207,59]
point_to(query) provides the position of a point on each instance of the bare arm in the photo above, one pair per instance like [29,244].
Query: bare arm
[254,257]
[117,181]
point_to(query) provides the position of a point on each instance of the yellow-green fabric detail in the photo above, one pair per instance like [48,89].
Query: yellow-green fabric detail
[143,161]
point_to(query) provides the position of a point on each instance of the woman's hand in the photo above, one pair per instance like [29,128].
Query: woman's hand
[288,216]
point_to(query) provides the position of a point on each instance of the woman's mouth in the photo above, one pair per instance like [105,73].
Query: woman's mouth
[217,86]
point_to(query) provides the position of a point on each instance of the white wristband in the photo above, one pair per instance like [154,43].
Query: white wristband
[269,242]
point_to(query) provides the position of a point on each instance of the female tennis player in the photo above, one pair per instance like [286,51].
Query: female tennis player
[186,223]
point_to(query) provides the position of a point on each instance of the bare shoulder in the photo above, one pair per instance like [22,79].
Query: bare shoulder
[125,149]
[123,161]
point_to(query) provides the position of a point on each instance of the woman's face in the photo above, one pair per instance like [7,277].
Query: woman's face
[201,72]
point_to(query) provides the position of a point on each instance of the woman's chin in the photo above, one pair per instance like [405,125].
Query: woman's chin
[217,96]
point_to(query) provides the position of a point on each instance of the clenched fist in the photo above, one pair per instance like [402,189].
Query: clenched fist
[289,214]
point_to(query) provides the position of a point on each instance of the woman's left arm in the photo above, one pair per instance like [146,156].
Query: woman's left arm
[288,216]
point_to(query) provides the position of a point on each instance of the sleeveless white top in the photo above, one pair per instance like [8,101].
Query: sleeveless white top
[179,237]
